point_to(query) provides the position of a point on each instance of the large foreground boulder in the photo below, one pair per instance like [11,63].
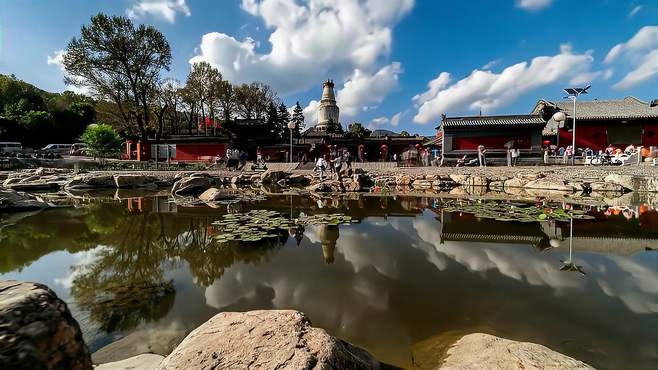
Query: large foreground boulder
[265,340]
[37,330]
[484,351]
[146,361]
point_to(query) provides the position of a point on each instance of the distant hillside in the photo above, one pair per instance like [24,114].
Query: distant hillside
[36,117]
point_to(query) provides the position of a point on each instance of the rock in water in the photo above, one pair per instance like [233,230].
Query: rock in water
[484,351]
[11,200]
[271,177]
[145,361]
[37,330]
[214,195]
[134,181]
[190,186]
[91,180]
[265,340]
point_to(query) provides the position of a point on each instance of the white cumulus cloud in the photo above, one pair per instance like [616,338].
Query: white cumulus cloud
[161,9]
[487,90]
[363,89]
[57,59]
[641,51]
[636,9]
[533,5]
[308,41]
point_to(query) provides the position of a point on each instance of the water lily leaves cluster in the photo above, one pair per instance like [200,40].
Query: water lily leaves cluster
[257,225]
[514,211]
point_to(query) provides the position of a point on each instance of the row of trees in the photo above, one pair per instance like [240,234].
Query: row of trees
[123,65]
[36,117]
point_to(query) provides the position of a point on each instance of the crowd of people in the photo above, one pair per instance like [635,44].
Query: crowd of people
[611,154]
[333,163]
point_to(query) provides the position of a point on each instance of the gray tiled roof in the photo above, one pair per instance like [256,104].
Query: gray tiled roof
[627,108]
[479,121]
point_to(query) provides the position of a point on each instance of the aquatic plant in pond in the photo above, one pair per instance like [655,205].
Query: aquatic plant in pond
[258,225]
[514,211]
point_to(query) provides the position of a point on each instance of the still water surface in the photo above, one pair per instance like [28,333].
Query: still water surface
[406,280]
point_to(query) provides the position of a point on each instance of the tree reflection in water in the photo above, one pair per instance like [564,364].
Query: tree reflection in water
[125,284]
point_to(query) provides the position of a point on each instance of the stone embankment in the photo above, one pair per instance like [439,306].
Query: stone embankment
[211,186]
[38,332]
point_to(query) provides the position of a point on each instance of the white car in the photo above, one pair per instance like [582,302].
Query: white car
[57,148]
[10,147]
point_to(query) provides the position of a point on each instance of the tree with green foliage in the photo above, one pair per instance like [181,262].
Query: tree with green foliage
[120,63]
[284,119]
[36,117]
[273,122]
[101,140]
[404,133]
[356,129]
[298,119]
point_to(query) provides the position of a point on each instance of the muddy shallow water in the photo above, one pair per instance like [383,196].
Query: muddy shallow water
[410,277]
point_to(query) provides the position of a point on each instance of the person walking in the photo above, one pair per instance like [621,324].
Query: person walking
[321,166]
[482,156]
[338,165]
[348,159]
[516,152]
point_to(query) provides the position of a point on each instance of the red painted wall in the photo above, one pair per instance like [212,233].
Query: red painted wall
[490,142]
[596,137]
[193,152]
[593,137]
[650,135]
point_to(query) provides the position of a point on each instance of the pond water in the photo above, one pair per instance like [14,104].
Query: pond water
[407,277]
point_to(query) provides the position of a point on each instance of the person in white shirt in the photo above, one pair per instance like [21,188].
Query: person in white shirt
[516,152]
[321,166]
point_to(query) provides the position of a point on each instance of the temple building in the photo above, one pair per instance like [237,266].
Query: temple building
[600,123]
[462,135]
[328,136]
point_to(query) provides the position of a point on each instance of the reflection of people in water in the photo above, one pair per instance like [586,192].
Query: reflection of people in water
[328,236]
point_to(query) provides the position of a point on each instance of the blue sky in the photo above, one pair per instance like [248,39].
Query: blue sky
[398,64]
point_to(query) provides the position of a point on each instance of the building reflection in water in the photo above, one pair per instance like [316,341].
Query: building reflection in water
[328,236]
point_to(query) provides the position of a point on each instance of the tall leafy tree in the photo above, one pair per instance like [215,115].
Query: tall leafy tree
[273,122]
[298,119]
[120,63]
[284,119]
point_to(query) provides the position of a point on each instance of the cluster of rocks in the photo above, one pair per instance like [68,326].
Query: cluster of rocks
[37,331]
[532,181]
[37,179]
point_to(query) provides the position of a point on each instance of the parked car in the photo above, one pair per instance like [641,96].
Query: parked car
[10,147]
[57,148]
[78,149]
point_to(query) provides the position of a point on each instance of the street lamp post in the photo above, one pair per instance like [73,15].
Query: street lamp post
[291,126]
[573,93]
